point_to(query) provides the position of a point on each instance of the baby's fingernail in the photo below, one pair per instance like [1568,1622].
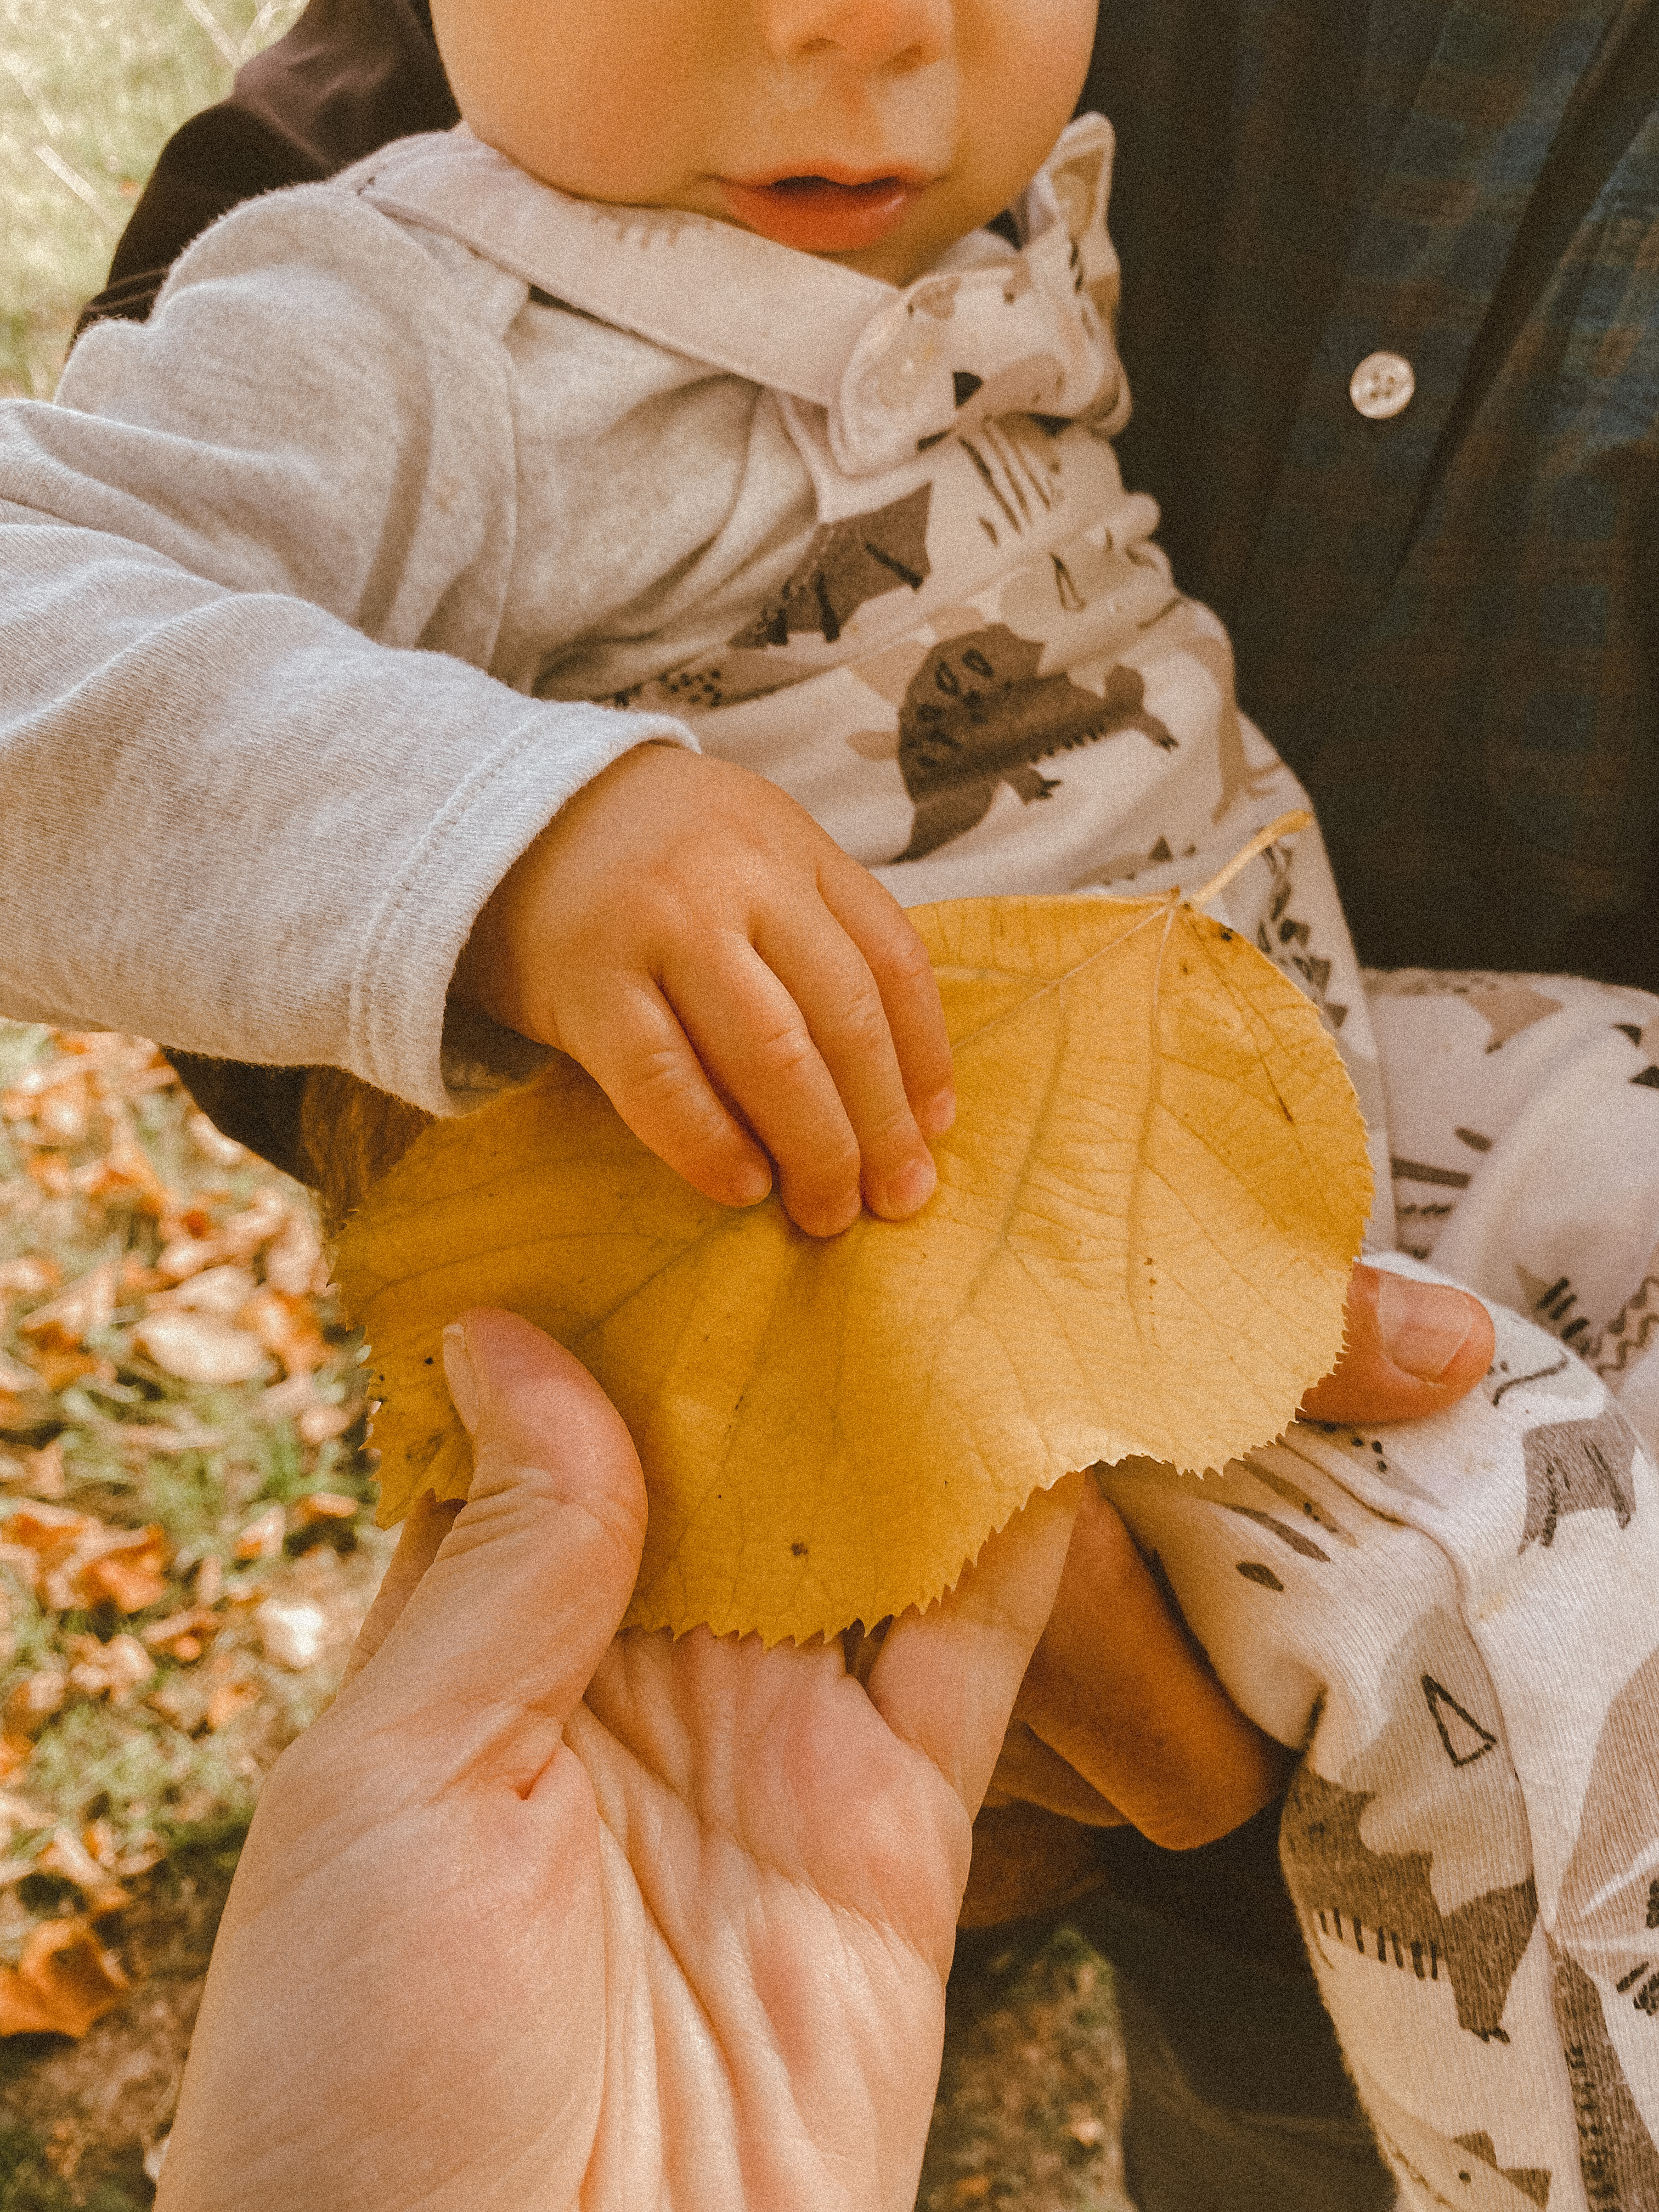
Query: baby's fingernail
[461,1375]
[1423,1325]
[935,1117]
[751,1184]
[911,1187]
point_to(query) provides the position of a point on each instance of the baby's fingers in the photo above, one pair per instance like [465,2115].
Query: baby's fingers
[847,1016]
[759,1047]
[630,1042]
[903,976]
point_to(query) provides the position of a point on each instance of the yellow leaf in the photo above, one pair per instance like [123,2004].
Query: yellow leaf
[1139,1244]
[64,1981]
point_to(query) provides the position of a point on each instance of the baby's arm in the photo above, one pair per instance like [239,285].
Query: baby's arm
[254,794]
[243,568]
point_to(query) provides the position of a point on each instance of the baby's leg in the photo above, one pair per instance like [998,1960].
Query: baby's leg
[1460,1619]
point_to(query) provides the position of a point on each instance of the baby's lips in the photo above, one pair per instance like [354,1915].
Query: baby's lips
[815,214]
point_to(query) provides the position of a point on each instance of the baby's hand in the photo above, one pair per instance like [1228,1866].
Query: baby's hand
[736,985]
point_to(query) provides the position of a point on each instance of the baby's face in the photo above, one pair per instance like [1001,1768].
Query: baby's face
[876,132]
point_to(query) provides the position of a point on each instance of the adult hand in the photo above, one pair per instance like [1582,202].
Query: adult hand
[530,1918]
[1119,1718]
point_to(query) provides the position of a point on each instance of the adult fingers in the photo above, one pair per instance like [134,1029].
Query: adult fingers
[1118,1688]
[428,1524]
[946,1678]
[632,1044]
[1413,1348]
[496,1643]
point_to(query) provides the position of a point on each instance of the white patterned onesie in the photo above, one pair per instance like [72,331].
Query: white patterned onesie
[874,544]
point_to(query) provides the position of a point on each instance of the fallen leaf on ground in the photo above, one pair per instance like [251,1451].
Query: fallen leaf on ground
[324,1505]
[35,1699]
[320,1422]
[67,1322]
[127,1573]
[239,1236]
[58,1370]
[112,1670]
[199,1347]
[227,1701]
[294,1262]
[182,1635]
[129,1576]
[101,1839]
[286,1327]
[262,1539]
[291,1631]
[15,1380]
[56,1098]
[64,1983]
[224,1152]
[223,1290]
[51,1532]
[68,1857]
[80,1561]
[1140,1245]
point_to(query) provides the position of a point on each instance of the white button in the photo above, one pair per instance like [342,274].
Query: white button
[1382,386]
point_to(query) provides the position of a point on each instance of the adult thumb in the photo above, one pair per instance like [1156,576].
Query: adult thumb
[1413,1348]
[506,1609]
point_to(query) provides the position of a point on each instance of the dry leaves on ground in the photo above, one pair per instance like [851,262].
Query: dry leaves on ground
[1140,1243]
[182,1495]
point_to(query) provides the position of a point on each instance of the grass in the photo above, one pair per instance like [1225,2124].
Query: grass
[123,1434]
[90,90]
[179,1402]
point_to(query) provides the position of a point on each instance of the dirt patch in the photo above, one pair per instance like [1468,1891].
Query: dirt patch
[1030,2103]
[77,2119]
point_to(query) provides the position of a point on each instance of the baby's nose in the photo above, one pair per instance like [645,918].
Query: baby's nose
[869,33]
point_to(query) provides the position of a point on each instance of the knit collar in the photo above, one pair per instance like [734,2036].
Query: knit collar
[992,329]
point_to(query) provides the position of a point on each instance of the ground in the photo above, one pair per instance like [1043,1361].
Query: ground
[182,1445]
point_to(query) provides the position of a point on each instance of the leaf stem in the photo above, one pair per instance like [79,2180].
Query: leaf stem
[1286,826]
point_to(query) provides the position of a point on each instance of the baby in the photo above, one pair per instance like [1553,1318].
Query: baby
[681,395]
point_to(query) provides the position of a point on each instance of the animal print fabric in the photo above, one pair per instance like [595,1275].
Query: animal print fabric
[1458,1621]
[1523,1120]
